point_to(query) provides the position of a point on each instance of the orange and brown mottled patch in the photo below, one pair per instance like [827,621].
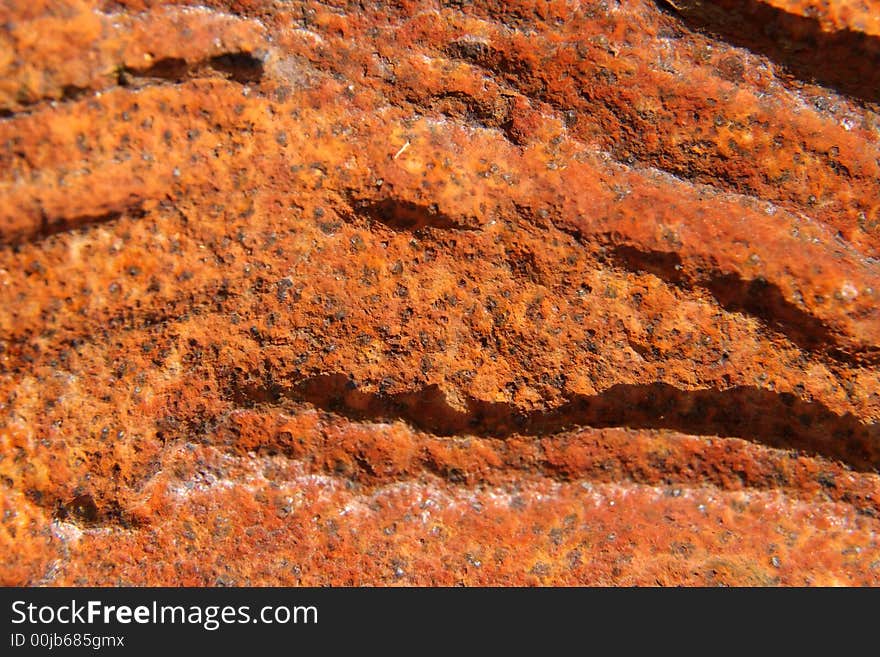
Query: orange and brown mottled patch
[437,293]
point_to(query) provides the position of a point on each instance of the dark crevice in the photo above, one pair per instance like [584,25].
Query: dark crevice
[402,215]
[85,512]
[170,69]
[491,59]
[71,92]
[54,225]
[240,67]
[60,225]
[764,300]
[779,420]
[843,60]
[664,265]
[465,108]
[756,297]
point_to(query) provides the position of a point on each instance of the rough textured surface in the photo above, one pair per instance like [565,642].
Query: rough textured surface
[438,292]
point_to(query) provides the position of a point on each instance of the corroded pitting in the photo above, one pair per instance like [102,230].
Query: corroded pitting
[438,293]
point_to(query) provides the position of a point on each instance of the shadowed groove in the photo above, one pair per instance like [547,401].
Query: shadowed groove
[843,60]
[756,297]
[56,225]
[779,420]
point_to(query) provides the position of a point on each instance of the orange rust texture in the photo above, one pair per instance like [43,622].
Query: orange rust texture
[439,292]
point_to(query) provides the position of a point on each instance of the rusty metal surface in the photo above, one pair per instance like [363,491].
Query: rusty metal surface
[439,293]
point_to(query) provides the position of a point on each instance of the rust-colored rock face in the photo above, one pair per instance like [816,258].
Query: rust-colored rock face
[440,292]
